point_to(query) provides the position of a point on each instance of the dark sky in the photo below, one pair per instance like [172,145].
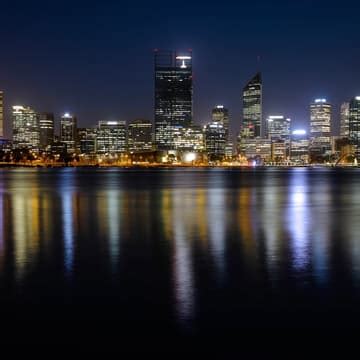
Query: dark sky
[95,59]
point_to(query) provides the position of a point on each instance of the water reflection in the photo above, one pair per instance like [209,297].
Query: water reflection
[185,239]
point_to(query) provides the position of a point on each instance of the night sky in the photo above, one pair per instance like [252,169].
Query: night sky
[96,59]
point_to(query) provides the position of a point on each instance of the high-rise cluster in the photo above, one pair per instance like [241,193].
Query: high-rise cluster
[175,135]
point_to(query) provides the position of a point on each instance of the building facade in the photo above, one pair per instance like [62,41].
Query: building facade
[111,137]
[354,124]
[25,124]
[344,120]
[252,108]
[68,132]
[299,147]
[215,141]
[221,115]
[140,136]
[320,127]
[46,124]
[173,95]
[278,127]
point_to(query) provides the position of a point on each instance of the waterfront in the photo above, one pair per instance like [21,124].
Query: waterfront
[176,253]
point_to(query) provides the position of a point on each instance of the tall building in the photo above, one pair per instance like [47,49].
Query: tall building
[221,115]
[173,95]
[68,132]
[299,147]
[1,114]
[320,126]
[111,137]
[46,124]
[252,108]
[215,141]
[354,124]
[344,120]
[86,140]
[140,136]
[25,126]
[278,127]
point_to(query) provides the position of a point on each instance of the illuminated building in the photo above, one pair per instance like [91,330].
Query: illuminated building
[252,148]
[46,124]
[344,120]
[221,115]
[140,136]
[215,141]
[68,132]
[1,114]
[189,139]
[279,151]
[320,127]
[229,151]
[173,95]
[252,108]
[25,128]
[86,140]
[278,127]
[299,147]
[354,124]
[111,137]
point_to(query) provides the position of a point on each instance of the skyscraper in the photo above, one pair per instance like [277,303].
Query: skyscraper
[354,124]
[320,126]
[215,140]
[221,115]
[344,120]
[278,127]
[46,124]
[68,132]
[173,95]
[252,108]
[140,135]
[25,128]
[111,137]
[1,114]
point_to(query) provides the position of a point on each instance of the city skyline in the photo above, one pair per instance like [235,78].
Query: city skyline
[120,63]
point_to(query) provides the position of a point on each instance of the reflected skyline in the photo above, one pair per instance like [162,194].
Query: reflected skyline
[188,233]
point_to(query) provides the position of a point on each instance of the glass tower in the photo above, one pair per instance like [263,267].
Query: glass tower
[252,108]
[68,132]
[46,123]
[320,126]
[111,137]
[354,124]
[173,95]
[221,115]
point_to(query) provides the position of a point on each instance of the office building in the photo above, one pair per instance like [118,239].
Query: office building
[140,136]
[278,127]
[354,124]
[320,127]
[46,124]
[299,147]
[221,115]
[344,120]
[189,139]
[111,137]
[173,95]
[68,132]
[25,126]
[86,141]
[215,141]
[252,108]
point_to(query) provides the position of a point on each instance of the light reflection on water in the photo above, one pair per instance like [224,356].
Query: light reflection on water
[197,230]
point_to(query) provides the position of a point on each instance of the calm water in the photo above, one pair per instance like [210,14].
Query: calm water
[111,256]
